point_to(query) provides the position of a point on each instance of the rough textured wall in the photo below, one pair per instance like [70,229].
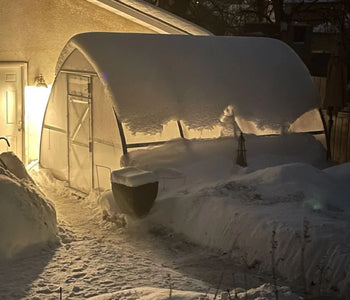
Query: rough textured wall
[37,30]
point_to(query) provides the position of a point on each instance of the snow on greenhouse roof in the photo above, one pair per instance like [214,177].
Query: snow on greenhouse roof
[156,78]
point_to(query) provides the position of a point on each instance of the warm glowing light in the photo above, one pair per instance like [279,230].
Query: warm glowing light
[206,133]
[251,127]
[40,81]
[35,104]
[309,121]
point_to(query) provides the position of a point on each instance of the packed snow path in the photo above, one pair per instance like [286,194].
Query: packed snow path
[96,257]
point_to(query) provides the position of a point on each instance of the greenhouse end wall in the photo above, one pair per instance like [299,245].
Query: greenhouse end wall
[80,139]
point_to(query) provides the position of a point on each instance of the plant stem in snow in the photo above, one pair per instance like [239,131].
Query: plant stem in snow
[245,285]
[274,245]
[246,267]
[220,281]
[234,285]
[229,294]
[305,240]
[170,285]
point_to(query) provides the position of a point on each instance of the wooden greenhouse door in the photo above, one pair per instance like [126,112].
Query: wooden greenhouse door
[79,132]
[11,111]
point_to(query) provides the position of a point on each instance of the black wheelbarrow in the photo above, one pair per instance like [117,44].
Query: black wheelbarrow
[134,190]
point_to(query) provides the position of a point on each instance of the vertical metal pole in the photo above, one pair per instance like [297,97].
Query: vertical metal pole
[68,131]
[98,182]
[122,135]
[91,136]
[324,124]
[180,128]
[329,131]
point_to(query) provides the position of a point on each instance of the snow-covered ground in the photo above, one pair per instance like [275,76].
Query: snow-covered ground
[211,228]
[99,258]
[217,204]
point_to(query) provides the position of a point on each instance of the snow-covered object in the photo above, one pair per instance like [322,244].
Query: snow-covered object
[153,79]
[132,177]
[26,217]
[154,83]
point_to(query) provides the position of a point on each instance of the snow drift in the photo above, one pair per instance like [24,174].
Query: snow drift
[241,213]
[26,217]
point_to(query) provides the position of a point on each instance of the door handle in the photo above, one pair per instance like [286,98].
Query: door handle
[20,125]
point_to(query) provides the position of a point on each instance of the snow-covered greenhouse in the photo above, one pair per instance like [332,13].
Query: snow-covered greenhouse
[115,92]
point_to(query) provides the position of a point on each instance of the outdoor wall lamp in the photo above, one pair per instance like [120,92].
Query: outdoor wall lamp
[40,81]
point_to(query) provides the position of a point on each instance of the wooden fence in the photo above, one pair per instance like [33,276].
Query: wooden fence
[338,135]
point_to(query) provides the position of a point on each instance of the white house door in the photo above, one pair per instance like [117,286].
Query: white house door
[11,102]
[79,132]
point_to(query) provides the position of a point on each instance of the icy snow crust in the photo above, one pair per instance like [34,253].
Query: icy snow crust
[153,79]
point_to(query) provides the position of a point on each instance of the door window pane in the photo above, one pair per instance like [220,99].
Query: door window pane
[10,107]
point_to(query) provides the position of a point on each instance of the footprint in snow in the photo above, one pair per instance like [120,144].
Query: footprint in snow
[79,275]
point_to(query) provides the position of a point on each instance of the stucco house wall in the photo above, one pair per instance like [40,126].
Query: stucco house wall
[35,31]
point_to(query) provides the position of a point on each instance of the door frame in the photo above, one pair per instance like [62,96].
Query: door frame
[90,142]
[23,65]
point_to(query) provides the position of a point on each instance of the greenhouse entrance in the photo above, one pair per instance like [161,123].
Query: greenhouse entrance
[79,131]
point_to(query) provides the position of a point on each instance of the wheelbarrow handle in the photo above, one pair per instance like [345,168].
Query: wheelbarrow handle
[7,142]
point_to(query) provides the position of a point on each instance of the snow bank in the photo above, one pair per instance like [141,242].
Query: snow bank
[240,214]
[194,78]
[341,173]
[26,218]
[295,182]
